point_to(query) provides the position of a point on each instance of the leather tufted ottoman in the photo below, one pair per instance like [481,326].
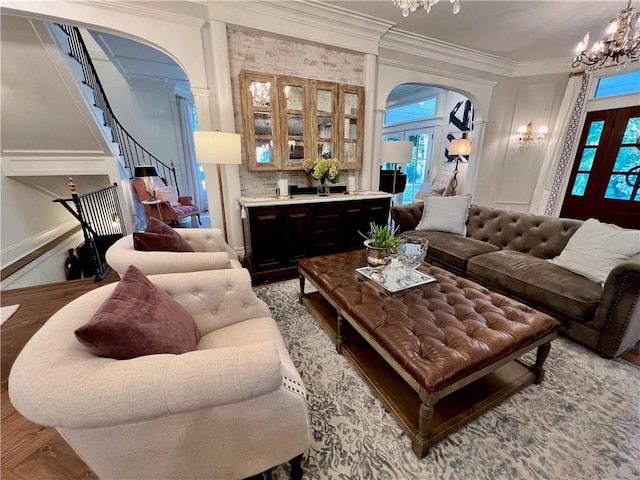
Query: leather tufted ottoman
[439,356]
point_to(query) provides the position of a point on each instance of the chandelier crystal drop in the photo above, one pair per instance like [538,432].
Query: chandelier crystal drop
[619,46]
[412,5]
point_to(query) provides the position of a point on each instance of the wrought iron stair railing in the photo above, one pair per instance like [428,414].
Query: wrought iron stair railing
[102,224]
[133,153]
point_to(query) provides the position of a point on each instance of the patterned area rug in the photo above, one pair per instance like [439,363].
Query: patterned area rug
[582,422]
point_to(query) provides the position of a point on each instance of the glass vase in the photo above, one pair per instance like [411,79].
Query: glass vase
[323,188]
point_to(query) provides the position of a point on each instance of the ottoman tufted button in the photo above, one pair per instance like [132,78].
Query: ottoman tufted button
[195,293]
[229,287]
[214,311]
[245,305]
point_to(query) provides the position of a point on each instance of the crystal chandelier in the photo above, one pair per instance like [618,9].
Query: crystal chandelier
[412,5]
[620,45]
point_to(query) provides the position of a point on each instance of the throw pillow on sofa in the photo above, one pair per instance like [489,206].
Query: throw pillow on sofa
[596,248]
[160,237]
[138,319]
[445,214]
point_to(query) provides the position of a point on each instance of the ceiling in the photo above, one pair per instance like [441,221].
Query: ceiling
[518,30]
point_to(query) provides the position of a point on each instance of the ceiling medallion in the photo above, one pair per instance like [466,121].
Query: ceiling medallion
[620,45]
[412,5]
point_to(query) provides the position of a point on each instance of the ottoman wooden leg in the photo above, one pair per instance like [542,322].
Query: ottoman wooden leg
[420,443]
[541,356]
[340,339]
[301,294]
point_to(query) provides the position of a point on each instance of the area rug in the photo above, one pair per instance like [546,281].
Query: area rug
[7,312]
[582,422]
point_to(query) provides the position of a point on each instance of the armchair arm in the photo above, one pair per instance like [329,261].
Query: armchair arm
[207,240]
[81,392]
[407,216]
[152,263]
[618,313]
[186,200]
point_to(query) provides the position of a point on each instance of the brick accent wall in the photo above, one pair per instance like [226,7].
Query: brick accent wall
[250,51]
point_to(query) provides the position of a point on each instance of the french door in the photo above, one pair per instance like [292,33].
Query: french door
[605,179]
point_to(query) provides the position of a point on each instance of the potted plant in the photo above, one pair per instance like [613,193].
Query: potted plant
[381,242]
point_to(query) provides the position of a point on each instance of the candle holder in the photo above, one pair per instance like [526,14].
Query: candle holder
[351,185]
[283,191]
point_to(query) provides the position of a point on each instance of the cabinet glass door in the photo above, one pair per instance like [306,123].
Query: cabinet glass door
[259,115]
[352,112]
[293,92]
[324,101]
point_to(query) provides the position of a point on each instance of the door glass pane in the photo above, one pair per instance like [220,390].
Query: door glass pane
[580,184]
[351,104]
[324,127]
[294,121]
[620,187]
[595,130]
[632,132]
[264,151]
[416,169]
[350,128]
[324,99]
[294,97]
[262,123]
[628,159]
[261,93]
[587,159]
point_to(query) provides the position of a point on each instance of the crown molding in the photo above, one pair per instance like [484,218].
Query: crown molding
[305,20]
[436,71]
[424,47]
[194,11]
[546,67]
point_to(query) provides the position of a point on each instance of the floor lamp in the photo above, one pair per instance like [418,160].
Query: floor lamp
[219,148]
[396,152]
[460,147]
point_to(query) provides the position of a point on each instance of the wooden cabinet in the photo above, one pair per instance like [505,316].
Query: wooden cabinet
[277,236]
[287,119]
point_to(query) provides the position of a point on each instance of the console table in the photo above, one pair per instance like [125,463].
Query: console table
[278,233]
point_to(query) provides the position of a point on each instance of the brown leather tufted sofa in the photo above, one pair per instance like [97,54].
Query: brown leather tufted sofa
[508,251]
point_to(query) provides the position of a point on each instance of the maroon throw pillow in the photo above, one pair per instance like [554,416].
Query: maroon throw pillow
[159,237]
[138,319]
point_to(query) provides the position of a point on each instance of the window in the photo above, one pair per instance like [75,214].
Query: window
[413,111]
[622,84]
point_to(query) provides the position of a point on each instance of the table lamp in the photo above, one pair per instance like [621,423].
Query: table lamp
[396,152]
[147,172]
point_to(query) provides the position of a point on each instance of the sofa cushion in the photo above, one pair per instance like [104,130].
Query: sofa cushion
[445,214]
[596,248]
[452,251]
[159,237]
[138,319]
[538,281]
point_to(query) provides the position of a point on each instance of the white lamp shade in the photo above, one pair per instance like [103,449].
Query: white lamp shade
[217,147]
[396,152]
[460,146]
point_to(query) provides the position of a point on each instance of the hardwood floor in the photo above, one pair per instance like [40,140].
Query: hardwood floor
[31,451]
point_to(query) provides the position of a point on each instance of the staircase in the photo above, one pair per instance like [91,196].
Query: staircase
[124,147]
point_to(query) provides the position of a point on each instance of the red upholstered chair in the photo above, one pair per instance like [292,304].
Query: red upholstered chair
[166,211]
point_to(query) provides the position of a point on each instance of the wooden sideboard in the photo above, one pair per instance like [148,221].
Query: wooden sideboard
[278,233]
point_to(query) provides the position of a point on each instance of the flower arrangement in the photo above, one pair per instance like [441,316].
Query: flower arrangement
[322,168]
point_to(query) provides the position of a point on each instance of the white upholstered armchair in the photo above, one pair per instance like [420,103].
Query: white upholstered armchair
[211,253]
[231,409]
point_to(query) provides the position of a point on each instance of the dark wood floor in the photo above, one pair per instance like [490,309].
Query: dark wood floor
[33,452]
[30,451]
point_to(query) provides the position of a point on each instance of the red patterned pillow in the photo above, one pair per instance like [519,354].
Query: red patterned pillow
[160,237]
[138,319]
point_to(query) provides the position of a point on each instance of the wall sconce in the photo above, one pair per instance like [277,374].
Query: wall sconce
[526,138]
